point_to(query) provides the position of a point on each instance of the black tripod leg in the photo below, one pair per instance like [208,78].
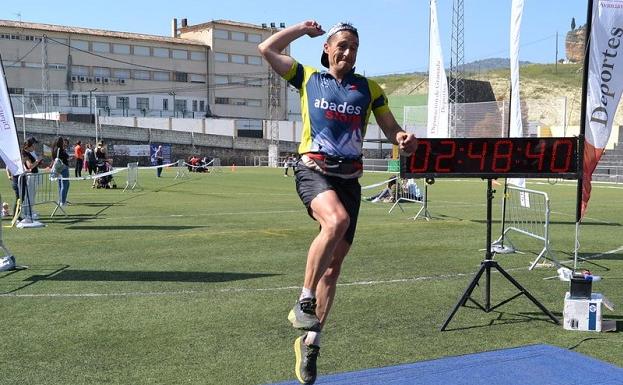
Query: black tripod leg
[527,293]
[465,296]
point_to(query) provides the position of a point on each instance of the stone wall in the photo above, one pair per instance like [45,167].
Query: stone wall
[238,150]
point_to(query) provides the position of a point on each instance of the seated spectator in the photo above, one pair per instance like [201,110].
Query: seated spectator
[388,194]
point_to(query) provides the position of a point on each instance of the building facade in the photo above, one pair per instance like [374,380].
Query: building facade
[211,69]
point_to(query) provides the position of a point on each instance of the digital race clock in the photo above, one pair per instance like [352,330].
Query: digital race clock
[492,158]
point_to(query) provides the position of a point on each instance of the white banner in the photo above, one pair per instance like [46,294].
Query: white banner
[9,147]
[437,125]
[131,149]
[604,84]
[516,127]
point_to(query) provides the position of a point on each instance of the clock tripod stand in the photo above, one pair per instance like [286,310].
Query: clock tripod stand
[486,266]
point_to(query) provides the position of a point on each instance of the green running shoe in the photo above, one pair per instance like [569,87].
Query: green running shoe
[306,356]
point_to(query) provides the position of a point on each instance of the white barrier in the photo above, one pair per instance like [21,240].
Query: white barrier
[527,212]
[132,181]
[409,192]
[41,188]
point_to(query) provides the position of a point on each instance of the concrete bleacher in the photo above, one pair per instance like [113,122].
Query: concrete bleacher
[610,167]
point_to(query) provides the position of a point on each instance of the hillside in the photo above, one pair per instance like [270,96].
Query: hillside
[545,88]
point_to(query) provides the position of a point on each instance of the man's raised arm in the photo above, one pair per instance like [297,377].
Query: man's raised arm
[273,47]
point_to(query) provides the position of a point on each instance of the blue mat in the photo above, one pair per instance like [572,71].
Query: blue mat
[528,365]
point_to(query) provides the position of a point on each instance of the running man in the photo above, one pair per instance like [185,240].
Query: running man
[336,105]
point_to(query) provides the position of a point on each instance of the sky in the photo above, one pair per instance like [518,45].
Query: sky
[393,33]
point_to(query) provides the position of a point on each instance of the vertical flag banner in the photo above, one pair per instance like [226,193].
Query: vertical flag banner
[516,128]
[437,125]
[9,146]
[604,84]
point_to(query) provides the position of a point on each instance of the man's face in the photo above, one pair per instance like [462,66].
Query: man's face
[341,50]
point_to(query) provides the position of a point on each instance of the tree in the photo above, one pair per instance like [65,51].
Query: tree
[573,23]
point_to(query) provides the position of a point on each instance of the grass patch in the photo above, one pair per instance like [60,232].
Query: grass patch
[190,281]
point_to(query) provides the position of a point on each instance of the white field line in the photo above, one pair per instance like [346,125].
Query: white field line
[239,290]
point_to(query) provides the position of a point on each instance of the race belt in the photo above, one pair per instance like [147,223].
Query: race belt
[333,166]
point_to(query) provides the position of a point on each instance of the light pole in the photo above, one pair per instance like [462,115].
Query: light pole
[91,100]
[172,93]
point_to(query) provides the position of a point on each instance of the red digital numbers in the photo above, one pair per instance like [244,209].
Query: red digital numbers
[478,154]
[418,156]
[567,146]
[538,154]
[494,157]
[449,153]
[502,156]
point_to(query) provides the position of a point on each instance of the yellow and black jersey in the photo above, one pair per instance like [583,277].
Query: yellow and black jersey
[335,114]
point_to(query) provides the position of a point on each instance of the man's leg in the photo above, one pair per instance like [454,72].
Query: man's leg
[334,221]
[325,291]
[327,209]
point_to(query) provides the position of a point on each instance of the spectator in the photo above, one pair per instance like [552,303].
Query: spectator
[290,161]
[15,185]
[58,150]
[31,164]
[159,160]
[100,159]
[79,155]
[89,156]
[388,194]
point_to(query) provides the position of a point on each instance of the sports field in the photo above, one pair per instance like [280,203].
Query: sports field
[189,281]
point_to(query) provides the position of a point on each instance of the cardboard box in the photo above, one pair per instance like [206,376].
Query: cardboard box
[585,314]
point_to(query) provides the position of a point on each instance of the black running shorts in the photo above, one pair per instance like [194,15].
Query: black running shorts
[310,183]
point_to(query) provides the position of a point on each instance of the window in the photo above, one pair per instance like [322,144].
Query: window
[181,77]
[32,65]
[254,103]
[100,47]
[239,59]
[221,100]
[121,73]
[222,57]
[202,105]
[141,51]
[196,78]
[238,36]
[79,70]
[101,71]
[123,49]
[36,98]
[221,79]
[142,103]
[123,102]
[254,82]
[241,124]
[199,56]
[55,100]
[73,100]
[237,101]
[140,75]
[58,40]
[236,80]
[161,52]
[179,54]
[221,34]
[254,38]
[180,105]
[85,100]
[165,104]
[254,60]
[161,75]
[101,101]
[194,106]
[16,91]
[79,44]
